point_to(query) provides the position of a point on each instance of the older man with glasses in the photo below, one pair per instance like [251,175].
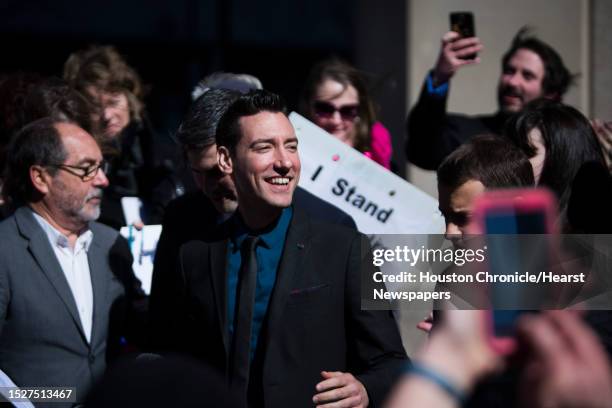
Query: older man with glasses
[61,273]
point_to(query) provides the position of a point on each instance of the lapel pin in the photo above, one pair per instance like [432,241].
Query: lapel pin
[300,246]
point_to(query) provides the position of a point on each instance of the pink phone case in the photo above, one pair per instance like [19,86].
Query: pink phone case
[520,201]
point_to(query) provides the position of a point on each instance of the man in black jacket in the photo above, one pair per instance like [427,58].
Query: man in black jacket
[530,69]
[197,214]
[300,336]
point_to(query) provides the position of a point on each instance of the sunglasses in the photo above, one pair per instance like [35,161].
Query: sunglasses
[326,110]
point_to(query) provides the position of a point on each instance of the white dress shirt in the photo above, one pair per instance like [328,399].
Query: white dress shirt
[75,266]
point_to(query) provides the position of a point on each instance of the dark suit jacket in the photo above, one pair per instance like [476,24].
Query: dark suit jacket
[433,133]
[320,209]
[42,342]
[314,320]
[193,217]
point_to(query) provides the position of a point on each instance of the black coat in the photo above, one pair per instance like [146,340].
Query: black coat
[433,133]
[314,320]
[141,165]
[193,217]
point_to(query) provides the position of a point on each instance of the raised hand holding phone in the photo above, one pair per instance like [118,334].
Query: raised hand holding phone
[459,47]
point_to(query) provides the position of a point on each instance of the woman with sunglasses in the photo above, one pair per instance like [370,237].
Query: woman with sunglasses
[336,98]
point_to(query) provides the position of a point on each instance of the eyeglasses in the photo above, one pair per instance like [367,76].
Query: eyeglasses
[85,173]
[326,110]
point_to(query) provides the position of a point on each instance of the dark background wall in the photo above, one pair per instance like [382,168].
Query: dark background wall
[174,44]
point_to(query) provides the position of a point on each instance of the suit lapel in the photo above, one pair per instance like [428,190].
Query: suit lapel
[218,275]
[97,262]
[44,256]
[291,265]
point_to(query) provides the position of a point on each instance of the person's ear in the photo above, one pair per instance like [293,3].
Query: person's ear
[224,159]
[40,179]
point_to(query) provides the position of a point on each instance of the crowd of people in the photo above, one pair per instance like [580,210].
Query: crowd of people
[256,288]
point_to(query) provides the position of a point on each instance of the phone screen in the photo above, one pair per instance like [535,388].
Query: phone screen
[506,253]
[508,221]
[462,22]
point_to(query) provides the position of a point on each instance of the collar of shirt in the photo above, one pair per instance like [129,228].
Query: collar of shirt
[58,239]
[271,237]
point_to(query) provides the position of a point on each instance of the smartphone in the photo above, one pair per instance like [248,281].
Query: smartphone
[504,215]
[462,22]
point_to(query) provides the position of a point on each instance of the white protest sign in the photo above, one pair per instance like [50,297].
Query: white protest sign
[131,210]
[379,201]
[143,244]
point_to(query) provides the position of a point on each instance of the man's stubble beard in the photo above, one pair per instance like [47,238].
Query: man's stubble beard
[84,214]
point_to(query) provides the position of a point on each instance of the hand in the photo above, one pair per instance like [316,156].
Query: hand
[459,348]
[426,324]
[567,366]
[452,50]
[340,390]
[139,225]
[458,351]
[603,130]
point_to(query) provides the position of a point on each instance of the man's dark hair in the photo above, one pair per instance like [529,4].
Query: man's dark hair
[38,143]
[568,137]
[490,159]
[252,103]
[199,126]
[557,78]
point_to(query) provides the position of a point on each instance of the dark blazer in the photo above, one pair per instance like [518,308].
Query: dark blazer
[433,133]
[321,210]
[42,342]
[314,320]
[193,217]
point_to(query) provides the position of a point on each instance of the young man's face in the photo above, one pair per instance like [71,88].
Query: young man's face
[520,81]
[265,165]
[456,206]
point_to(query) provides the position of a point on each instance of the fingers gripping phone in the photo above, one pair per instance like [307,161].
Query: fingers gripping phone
[462,22]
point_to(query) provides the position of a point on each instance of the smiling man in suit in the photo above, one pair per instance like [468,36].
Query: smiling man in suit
[197,214]
[274,305]
[64,279]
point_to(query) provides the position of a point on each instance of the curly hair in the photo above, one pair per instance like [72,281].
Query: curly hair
[103,68]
